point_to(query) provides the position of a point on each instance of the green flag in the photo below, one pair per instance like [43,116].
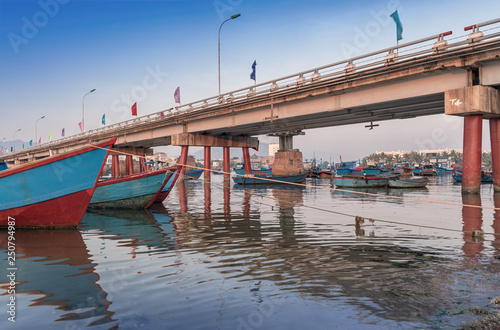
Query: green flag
[399,26]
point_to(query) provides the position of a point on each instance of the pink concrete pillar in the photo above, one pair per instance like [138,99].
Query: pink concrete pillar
[246,160]
[495,151]
[226,164]
[207,163]
[129,165]
[471,170]
[115,166]
[182,161]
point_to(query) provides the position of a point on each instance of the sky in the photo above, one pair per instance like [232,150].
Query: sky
[53,52]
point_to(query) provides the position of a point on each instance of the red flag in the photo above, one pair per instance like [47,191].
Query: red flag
[134,109]
[40,140]
[80,125]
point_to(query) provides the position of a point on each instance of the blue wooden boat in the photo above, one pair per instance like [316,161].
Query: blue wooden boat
[486,177]
[269,179]
[134,191]
[360,181]
[241,171]
[411,182]
[193,174]
[52,192]
[346,168]
[370,170]
[3,166]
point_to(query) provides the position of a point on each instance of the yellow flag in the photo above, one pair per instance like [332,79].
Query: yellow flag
[50,136]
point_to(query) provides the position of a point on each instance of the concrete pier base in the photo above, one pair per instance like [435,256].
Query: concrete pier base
[288,162]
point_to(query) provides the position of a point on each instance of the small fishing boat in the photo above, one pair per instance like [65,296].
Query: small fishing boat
[411,182]
[134,191]
[428,170]
[360,181]
[241,171]
[486,177]
[269,179]
[54,191]
[347,168]
[193,174]
[403,169]
[172,175]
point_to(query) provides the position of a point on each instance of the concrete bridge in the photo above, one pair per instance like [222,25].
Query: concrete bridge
[424,77]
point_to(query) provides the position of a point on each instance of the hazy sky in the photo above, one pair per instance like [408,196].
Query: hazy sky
[54,51]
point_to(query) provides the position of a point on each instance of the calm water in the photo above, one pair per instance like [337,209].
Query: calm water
[218,256]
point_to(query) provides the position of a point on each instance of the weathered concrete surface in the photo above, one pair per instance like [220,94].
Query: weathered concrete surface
[187,139]
[288,162]
[473,100]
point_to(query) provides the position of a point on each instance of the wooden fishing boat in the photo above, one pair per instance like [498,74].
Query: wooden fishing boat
[172,176]
[269,179]
[411,182]
[241,171]
[193,174]
[54,191]
[360,181]
[486,177]
[134,191]
[428,170]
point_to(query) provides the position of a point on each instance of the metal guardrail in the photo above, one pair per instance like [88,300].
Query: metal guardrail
[381,58]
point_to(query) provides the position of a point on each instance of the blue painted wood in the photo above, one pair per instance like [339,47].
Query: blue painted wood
[261,179]
[134,191]
[170,181]
[192,175]
[409,183]
[49,181]
[241,171]
[3,166]
[359,181]
[486,177]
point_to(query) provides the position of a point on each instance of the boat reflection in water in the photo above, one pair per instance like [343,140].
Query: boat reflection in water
[256,257]
[55,269]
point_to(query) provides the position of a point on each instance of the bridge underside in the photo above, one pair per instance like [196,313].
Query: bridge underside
[399,109]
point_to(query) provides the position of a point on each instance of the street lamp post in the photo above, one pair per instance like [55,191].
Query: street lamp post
[232,17]
[14,140]
[83,111]
[36,132]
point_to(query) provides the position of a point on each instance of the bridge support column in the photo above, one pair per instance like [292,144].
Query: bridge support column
[226,163]
[207,163]
[287,160]
[115,166]
[471,170]
[246,161]
[129,165]
[495,151]
[142,166]
[182,162]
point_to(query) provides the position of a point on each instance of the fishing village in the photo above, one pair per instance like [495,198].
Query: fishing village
[223,212]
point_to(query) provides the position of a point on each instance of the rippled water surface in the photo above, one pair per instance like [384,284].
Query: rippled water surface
[218,256]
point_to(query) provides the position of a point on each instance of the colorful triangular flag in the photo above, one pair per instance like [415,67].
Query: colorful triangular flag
[177,95]
[134,109]
[103,119]
[252,75]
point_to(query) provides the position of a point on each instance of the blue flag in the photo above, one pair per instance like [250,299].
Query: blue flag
[399,26]
[31,143]
[252,75]
[104,119]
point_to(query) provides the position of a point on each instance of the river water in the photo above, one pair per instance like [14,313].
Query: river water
[219,256]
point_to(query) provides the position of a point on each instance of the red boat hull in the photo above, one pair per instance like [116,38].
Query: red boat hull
[65,211]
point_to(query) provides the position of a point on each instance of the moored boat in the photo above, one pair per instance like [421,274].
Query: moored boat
[428,170]
[134,191]
[51,192]
[408,183]
[486,177]
[360,181]
[269,179]
[241,171]
[171,180]
[193,174]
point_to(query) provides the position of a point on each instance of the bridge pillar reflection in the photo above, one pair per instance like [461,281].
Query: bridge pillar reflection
[496,223]
[207,163]
[207,189]
[471,170]
[495,151]
[181,188]
[226,163]
[472,221]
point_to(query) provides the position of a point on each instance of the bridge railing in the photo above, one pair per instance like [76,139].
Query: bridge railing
[435,44]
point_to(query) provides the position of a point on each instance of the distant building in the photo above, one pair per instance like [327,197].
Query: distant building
[273,148]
